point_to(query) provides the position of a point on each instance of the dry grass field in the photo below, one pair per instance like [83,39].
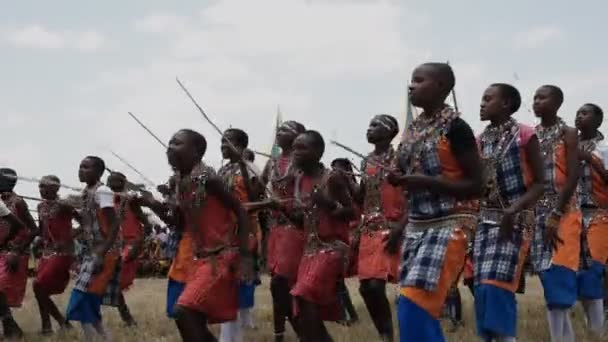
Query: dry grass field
[147,301]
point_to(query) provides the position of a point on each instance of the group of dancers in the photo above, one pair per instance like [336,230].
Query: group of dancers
[514,192]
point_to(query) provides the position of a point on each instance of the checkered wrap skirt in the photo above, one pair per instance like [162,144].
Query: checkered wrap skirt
[424,248]
[105,283]
[494,259]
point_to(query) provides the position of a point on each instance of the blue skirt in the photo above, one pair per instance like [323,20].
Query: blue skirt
[247,295]
[84,307]
[495,312]
[415,324]
[174,290]
[559,284]
[591,282]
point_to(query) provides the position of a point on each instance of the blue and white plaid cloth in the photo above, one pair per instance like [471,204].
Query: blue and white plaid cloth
[540,254]
[85,275]
[423,251]
[494,259]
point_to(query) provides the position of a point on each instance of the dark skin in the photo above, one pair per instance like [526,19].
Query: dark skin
[19,219]
[588,123]
[49,189]
[546,105]
[381,137]
[307,158]
[88,173]
[284,139]
[184,155]
[429,91]
[497,109]
[373,291]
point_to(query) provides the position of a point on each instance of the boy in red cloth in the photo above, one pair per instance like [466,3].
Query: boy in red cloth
[322,207]
[53,275]
[285,243]
[382,224]
[132,223]
[209,213]
[17,230]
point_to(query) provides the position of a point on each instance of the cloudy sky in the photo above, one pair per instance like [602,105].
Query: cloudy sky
[70,71]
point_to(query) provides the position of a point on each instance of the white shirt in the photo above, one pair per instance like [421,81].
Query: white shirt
[4,211]
[104,197]
[601,151]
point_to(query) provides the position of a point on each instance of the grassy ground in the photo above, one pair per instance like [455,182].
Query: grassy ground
[147,302]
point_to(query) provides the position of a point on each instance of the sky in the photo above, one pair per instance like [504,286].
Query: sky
[71,70]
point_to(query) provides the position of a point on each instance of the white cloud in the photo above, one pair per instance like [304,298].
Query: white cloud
[160,23]
[241,59]
[89,41]
[537,37]
[35,36]
[39,37]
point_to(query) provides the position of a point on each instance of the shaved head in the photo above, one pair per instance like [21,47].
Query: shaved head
[443,73]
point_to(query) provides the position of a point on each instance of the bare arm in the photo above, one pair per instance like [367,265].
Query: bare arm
[572,167]
[30,224]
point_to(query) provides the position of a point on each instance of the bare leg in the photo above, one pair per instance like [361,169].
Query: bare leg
[11,328]
[313,329]
[353,317]
[373,292]
[45,317]
[125,314]
[281,305]
[190,327]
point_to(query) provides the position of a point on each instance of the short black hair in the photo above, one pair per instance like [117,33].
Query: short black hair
[318,143]
[444,73]
[344,162]
[52,178]
[197,139]
[11,176]
[98,164]
[118,174]
[597,111]
[299,128]
[509,93]
[555,91]
[249,155]
[242,139]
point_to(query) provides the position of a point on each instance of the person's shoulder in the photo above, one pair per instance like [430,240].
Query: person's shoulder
[460,129]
